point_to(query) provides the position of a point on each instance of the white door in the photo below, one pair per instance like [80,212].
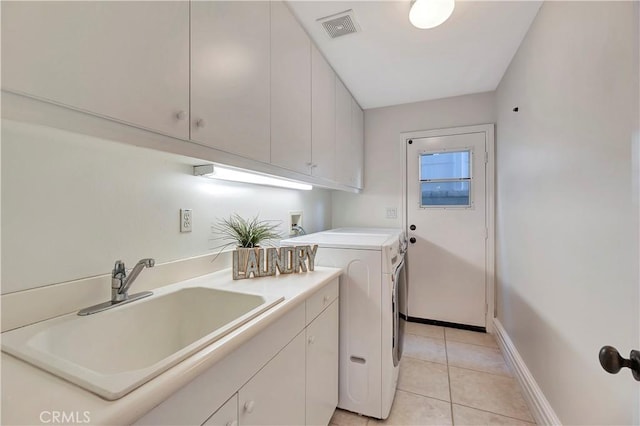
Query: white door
[447,228]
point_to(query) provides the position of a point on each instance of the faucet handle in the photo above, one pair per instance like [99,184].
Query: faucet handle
[118,269]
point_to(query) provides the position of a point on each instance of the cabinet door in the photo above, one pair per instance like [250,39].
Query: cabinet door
[230,76]
[344,162]
[322,367]
[323,118]
[227,415]
[276,394]
[290,91]
[124,60]
[357,145]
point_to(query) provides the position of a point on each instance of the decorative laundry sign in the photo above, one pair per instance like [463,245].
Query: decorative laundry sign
[258,262]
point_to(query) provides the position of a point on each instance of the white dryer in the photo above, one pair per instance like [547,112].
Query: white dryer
[371,330]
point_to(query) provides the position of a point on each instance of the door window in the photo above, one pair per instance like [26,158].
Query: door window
[445,179]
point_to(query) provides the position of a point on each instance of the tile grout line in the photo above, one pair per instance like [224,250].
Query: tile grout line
[421,335]
[497,414]
[481,371]
[425,360]
[475,344]
[477,371]
[455,341]
[446,354]
[457,366]
[454,366]
[445,341]
[425,396]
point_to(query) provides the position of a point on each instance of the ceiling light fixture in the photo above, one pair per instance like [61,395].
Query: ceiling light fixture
[237,175]
[425,14]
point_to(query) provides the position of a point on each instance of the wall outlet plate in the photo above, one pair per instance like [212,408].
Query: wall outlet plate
[295,218]
[186,220]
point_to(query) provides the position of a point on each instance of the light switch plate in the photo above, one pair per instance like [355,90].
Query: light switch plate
[186,217]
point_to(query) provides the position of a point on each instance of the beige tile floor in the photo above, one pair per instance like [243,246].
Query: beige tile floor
[450,377]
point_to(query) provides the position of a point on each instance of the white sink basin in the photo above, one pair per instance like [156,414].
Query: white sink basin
[113,352]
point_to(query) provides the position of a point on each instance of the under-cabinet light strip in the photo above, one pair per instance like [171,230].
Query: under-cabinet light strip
[236,175]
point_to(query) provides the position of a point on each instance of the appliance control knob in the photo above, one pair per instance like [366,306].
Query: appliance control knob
[412,240]
[248,406]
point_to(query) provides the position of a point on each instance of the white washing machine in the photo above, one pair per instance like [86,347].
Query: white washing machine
[371,330]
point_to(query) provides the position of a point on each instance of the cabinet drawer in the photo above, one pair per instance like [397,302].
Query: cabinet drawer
[321,300]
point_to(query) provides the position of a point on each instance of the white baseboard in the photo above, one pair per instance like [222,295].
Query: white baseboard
[538,404]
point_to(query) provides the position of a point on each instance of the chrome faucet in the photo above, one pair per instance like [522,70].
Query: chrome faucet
[120,284]
[299,230]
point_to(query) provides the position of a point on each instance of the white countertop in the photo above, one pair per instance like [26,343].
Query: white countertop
[28,391]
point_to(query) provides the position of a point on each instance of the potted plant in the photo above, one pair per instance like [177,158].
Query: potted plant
[246,234]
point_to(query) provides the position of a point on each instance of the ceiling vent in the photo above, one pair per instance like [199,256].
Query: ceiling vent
[340,24]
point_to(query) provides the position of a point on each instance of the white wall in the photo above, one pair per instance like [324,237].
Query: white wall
[72,204]
[567,212]
[383,153]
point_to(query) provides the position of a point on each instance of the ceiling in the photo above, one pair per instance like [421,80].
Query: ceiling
[390,62]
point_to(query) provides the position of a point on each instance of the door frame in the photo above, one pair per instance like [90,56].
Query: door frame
[490,173]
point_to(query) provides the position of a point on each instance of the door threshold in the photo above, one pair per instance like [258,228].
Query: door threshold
[444,324]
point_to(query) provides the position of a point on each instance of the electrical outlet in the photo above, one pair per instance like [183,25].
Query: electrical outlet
[392,213]
[186,220]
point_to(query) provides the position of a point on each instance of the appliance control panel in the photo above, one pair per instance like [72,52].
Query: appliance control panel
[393,253]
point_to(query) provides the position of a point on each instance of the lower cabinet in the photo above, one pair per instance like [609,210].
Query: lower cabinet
[322,367]
[227,415]
[285,375]
[275,396]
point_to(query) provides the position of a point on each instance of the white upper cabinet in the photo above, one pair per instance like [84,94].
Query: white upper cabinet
[323,118]
[230,76]
[349,138]
[290,91]
[357,145]
[125,60]
[343,160]
[242,77]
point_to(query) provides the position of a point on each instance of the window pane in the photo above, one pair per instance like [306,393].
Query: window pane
[445,165]
[445,193]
